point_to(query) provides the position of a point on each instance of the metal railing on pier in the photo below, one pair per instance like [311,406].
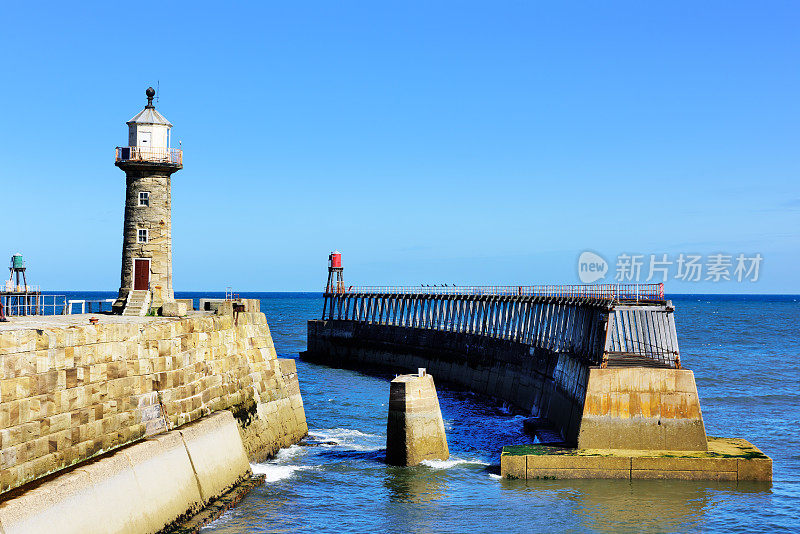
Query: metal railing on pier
[599,323]
[23,304]
[636,332]
[89,306]
[614,292]
[230,295]
[173,156]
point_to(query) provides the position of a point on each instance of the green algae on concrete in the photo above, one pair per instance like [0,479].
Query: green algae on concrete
[726,459]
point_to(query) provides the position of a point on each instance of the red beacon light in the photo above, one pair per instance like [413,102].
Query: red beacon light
[335,281]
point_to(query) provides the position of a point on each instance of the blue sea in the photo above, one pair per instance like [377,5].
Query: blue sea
[744,351]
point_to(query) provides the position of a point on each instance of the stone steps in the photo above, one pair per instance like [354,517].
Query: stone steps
[137,304]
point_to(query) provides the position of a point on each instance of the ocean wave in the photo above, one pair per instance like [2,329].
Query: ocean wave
[339,432]
[494,476]
[346,437]
[506,408]
[289,453]
[276,472]
[452,462]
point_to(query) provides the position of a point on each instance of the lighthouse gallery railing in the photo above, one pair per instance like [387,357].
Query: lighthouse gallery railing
[149,154]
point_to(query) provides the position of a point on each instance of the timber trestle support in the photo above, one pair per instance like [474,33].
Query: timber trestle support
[598,330]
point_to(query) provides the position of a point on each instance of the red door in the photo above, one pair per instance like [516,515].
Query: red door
[141,274]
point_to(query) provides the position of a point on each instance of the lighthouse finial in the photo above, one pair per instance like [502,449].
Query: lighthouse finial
[150,94]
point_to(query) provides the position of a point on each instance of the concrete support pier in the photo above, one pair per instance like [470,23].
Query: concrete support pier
[414,430]
[642,408]
[729,459]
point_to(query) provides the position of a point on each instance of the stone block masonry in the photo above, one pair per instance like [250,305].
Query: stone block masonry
[414,428]
[70,392]
[156,219]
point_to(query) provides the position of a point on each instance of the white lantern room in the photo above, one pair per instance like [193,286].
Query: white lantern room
[149,129]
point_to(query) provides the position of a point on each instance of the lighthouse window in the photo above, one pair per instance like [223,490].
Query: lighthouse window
[144,198]
[142,236]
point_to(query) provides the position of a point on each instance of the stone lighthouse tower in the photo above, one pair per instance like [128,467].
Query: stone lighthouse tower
[148,162]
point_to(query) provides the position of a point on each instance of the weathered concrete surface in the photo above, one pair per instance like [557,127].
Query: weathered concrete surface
[724,459]
[70,390]
[217,453]
[173,308]
[43,322]
[189,303]
[139,489]
[414,428]
[634,407]
[642,408]
[154,457]
[216,508]
[541,382]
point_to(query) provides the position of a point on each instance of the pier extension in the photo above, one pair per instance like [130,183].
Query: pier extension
[599,366]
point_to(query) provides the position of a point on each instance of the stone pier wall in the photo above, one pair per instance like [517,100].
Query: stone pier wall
[540,382]
[277,423]
[71,392]
[633,407]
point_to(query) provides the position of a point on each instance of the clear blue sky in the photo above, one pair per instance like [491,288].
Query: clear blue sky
[455,142]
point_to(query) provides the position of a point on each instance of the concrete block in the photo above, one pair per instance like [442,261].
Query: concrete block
[754,469]
[68,501]
[513,466]
[189,303]
[173,308]
[670,462]
[545,473]
[726,459]
[575,461]
[683,434]
[639,408]
[414,428]
[217,454]
[164,472]
[122,499]
[668,474]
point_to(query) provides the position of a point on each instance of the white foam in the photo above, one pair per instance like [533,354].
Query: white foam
[496,477]
[339,433]
[452,462]
[349,438]
[364,448]
[276,472]
[289,453]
